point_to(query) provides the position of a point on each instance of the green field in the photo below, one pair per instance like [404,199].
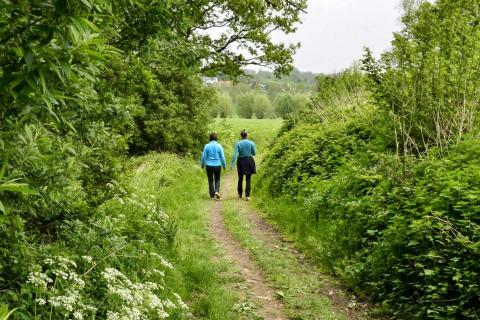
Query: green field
[261,131]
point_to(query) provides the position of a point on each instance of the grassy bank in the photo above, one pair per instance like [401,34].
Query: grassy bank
[145,252]
[200,277]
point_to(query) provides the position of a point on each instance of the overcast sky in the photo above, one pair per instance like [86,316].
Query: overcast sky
[334,32]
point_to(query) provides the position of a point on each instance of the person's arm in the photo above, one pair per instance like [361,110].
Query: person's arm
[254,149]
[204,157]
[222,158]
[234,156]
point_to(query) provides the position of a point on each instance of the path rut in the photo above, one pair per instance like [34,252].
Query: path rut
[261,291]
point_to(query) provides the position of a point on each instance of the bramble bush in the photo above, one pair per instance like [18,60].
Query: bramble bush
[409,242]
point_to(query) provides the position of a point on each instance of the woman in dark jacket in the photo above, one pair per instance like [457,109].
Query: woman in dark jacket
[244,150]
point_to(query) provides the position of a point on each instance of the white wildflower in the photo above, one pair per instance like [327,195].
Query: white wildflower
[155,302]
[162,314]
[168,304]
[76,280]
[87,258]
[78,315]
[48,261]
[159,272]
[113,275]
[65,263]
[39,279]
[40,301]
[164,262]
[67,301]
[111,315]
[180,302]
[61,274]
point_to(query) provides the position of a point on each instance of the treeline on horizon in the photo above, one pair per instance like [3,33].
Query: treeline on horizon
[379,177]
[261,94]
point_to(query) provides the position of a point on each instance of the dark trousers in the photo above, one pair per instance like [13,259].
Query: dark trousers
[247,186]
[213,174]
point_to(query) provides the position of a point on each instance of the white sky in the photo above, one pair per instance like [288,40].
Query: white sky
[334,32]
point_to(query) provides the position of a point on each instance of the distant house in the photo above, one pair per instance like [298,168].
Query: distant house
[210,80]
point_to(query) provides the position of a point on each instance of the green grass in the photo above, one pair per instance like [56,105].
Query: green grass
[298,289]
[204,280]
[261,131]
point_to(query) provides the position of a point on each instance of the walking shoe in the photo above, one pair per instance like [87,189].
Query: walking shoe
[247,198]
[217,196]
[239,196]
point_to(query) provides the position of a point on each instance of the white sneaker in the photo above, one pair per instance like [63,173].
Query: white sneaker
[247,198]
[217,196]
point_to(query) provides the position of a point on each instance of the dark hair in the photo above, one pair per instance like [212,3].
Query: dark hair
[213,136]
[243,134]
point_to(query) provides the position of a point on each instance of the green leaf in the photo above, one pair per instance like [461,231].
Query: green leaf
[4,313]
[3,169]
[29,55]
[42,79]
[17,187]
[2,207]
[84,24]
[412,243]
[428,272]
[87,4]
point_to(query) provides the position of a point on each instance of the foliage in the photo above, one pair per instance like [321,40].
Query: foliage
[409,244]
[262,106]
[5,313]
[82,85]
[428,80]
[287,103]
[379,178]
[224,106]
[246,104]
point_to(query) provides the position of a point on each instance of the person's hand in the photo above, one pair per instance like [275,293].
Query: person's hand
[224,168]
[203,167]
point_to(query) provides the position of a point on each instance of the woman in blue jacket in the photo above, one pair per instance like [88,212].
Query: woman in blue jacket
[213,159]
[245,150]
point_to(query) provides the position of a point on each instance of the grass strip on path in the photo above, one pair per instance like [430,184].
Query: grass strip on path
[298,287]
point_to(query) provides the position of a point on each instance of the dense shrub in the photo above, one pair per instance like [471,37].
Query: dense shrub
[288,103]
[407,241]
[383,173]
[427,80]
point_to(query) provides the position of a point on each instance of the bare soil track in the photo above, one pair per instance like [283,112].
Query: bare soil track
[262,293]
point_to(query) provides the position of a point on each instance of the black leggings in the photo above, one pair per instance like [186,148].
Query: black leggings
[247,186]
[213,174]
